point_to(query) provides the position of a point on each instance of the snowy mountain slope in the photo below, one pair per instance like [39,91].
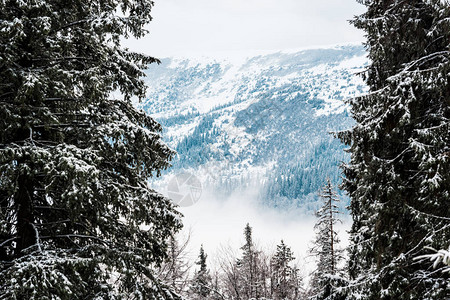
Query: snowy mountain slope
[260,121]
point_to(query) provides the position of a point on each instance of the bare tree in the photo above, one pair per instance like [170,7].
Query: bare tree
[175,270]
[230,276]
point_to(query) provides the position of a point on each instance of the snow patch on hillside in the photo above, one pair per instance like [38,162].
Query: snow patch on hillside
[240,119]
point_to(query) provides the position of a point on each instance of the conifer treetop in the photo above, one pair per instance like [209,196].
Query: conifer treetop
[74,163]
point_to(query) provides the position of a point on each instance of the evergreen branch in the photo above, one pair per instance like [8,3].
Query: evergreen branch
[62,58]
[80,236]
[425,59]
[68,25]
[75,124]
[64,99]
[10,240]
[427,214]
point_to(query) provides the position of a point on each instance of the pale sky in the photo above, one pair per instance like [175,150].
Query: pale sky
[205,27]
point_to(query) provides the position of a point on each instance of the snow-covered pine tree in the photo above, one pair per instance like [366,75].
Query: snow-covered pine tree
[251,286]
[201,285]
[399,174]
[285,277]
[77,217]
[325,246]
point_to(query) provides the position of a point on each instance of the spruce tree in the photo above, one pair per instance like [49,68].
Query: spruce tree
[201,284]
[248,266]
[285,279]
[399,174]
[78,219]
[325,247]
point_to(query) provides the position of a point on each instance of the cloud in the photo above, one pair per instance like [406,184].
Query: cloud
[218,224]
[206,26]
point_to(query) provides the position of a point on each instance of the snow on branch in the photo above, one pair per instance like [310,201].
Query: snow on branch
[438,257]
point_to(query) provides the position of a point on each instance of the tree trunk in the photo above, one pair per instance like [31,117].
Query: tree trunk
[26,232]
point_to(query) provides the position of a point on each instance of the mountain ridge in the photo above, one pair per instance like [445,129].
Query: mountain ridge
[262,121]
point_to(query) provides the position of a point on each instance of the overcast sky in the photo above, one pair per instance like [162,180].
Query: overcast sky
[192,27]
